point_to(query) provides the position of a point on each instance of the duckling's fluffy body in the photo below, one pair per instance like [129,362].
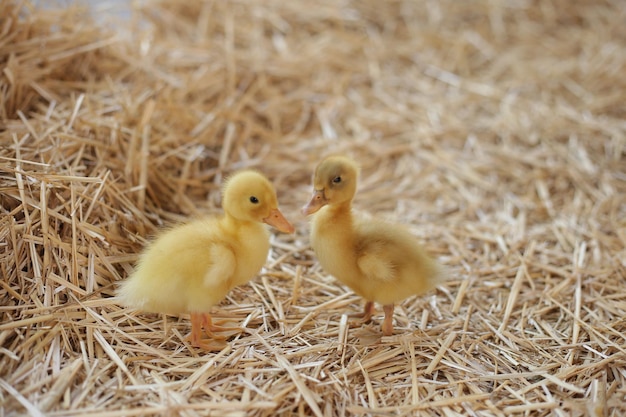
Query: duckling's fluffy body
[191,267]
[380,261]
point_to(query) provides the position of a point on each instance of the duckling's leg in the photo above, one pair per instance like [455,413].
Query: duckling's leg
[210,328]
[196,339]
[388,322]
[367,313]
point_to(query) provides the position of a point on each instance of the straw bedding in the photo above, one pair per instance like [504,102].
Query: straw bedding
[494,130]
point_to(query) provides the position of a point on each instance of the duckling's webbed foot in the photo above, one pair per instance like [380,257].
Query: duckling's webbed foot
[368,312]
[195,338]
[211,329]
[208,344]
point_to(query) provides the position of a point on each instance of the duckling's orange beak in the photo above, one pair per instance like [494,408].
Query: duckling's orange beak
[277,220]
[318,200]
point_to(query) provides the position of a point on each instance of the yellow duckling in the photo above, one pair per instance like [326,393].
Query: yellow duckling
[190,268]
[380,261]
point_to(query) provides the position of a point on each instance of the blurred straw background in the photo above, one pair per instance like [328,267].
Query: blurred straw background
[494,129]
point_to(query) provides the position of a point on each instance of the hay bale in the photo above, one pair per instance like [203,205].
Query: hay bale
[494,130]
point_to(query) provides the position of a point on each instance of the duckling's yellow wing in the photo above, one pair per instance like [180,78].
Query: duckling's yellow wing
[375,261]
[223,267]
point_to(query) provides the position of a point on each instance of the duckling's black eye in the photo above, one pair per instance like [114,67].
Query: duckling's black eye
[254,200]
[337,180]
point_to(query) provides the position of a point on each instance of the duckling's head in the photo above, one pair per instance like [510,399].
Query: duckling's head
[334,182]
[249,196]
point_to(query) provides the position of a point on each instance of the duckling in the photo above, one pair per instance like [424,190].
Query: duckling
[191,267]
[381,261]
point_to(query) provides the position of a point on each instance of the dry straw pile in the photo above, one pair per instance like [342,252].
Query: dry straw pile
[495,130]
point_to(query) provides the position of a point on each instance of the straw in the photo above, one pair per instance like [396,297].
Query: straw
[494,131]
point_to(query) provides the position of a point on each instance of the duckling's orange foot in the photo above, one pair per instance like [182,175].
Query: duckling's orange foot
[198,322]
[207,344]
[366,315]
[211,329]
[222,333]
